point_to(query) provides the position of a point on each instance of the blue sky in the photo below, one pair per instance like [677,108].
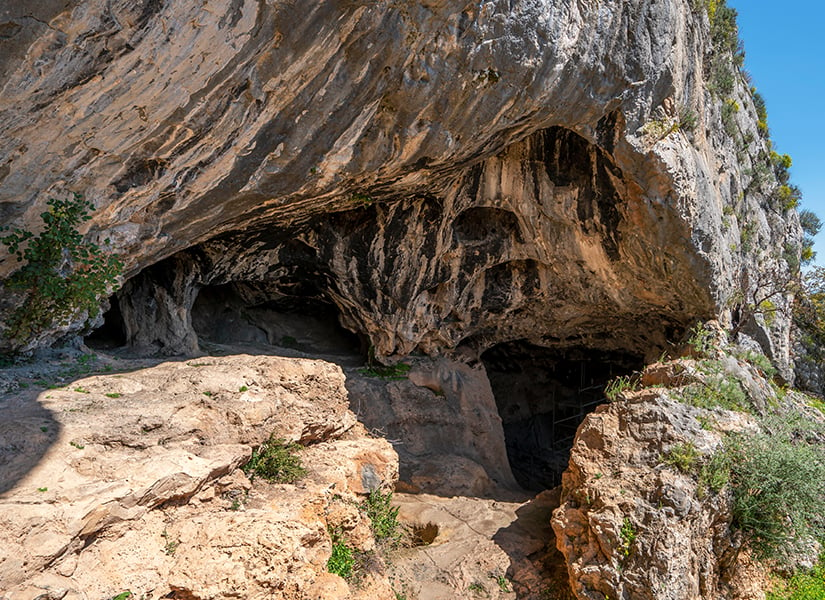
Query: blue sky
[785,54]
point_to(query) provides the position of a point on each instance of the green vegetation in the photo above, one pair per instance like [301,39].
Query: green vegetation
[384,517]
[276,460]
[113,395]
[397,371]
[817,403]
[682,456]
[63,276]
[476,588]
[171,545]
[714,474]
[42,489]
[809,314]
[719,392]
[243,388]
[806,585]
[729,110]
[77,445]
[362,199]
[502,583]
[778,481]
[614,389]
[758,360]
[701,340]
[627,535]
[123,596]
[341,561]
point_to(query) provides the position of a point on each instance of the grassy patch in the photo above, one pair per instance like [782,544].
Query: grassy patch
[276,460]
[614,389]
[397,371]
[817,403]
[383,516]
[724,392]
[805,585]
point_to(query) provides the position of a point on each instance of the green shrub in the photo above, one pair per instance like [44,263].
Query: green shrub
[758,360]
[683,456]
[342,561]
[383,515]
[627,535]
[806,585]
[714,474]
[724,392]
[63,275]
[276,460]
[778,485]
[729,110]
[701,340]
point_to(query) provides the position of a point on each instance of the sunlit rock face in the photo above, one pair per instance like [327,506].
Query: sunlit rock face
[448,175]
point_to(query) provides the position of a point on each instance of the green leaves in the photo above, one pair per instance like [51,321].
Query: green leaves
[63,275]
[778,483]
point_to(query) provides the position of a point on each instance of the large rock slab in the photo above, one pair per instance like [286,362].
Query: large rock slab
[136,486]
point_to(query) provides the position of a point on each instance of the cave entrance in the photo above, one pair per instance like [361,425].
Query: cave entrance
[542,396]
[256,313]
[112,334]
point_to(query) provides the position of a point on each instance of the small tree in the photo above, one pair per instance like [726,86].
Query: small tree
[765,293]
[62,276]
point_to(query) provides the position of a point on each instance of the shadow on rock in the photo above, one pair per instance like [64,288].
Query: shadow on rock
[27,431]
[537,569]
[443,423]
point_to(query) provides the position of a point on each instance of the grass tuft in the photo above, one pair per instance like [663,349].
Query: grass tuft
[276,460]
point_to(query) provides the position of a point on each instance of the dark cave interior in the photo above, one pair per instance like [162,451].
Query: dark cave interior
[542,396]
[255,313]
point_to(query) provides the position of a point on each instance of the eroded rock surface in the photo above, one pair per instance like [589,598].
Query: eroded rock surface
[449,175]
[631,523]
[137,486]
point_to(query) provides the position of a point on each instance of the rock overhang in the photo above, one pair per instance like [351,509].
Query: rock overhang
[254,117]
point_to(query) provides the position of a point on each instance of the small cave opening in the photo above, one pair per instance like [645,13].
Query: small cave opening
[112,334]
[542,396]
[256,313]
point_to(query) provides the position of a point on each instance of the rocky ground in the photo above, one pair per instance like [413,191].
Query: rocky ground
[122,475]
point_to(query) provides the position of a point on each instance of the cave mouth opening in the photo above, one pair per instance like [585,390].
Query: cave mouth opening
[255,313]
[542,396]
[112,334]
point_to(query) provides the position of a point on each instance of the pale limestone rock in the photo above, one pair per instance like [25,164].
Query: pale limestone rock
[631,525]
[451,176]
[445,425]
[150,499]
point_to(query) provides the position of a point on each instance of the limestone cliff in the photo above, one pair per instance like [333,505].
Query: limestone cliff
[450,175]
